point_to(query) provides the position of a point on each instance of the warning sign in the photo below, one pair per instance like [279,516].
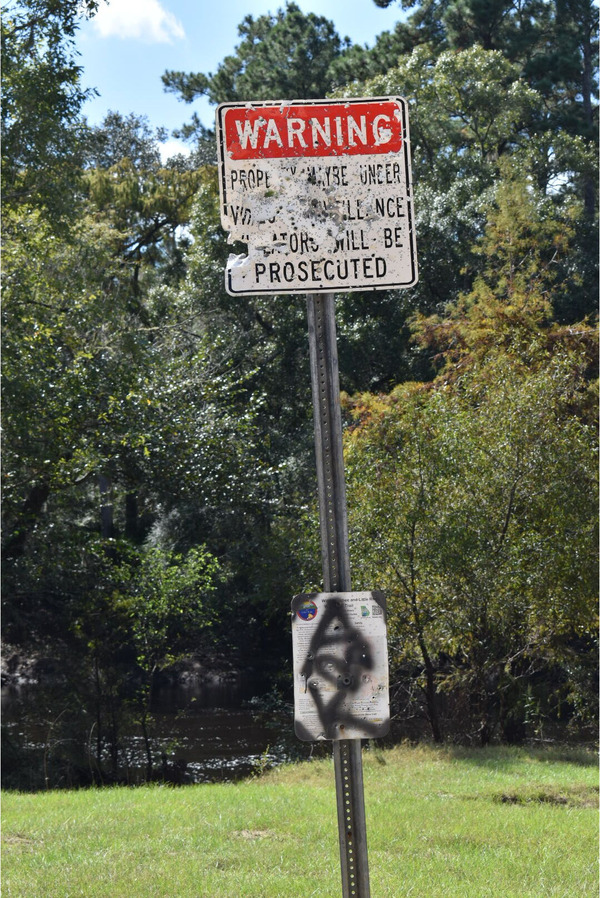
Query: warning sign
[341,686]
[320,192]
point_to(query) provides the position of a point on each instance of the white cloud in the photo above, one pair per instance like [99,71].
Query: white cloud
[172,147]
[143,20]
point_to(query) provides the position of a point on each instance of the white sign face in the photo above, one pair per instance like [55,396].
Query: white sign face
[341,685]
[320,192]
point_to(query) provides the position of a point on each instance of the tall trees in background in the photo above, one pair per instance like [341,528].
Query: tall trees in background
[283,55]
[501,148]
[472,497]
[554,44]
[117,409]
[504,165]
[158,432]
[41,105]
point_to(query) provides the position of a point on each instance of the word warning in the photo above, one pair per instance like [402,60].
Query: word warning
[341,688]
[320,191]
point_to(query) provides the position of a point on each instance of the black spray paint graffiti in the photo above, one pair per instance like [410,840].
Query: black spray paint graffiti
[337,666]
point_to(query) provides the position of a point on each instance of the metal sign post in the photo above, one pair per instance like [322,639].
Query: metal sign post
[336,574]
[320,192]
[328,442]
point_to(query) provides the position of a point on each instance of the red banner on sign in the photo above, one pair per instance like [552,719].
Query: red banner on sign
[314,129]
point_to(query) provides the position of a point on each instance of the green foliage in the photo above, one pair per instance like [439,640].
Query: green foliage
[281,56]
[359,63]
[462,492]
[56,361]
[265,345]
[164,600]
[470,107]
[90,389]
[526,251]
[144,201]
[41,102]
[117,416]
[474,123]
[157,432]
[467,110]
[555,45]
[123,137]
[474,507]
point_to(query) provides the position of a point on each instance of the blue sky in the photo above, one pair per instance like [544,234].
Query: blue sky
[128,45]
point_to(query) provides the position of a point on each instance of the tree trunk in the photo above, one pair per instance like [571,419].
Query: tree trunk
[106,508]
[589,192]
[431,694]
[29,513]
[132,525]
[98,718]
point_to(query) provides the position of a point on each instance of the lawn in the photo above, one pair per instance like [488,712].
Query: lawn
[507,823]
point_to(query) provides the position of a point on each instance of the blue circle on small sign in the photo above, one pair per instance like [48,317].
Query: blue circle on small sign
[307,610]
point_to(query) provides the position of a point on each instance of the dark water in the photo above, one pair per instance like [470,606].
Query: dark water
[200,733]
[219,733]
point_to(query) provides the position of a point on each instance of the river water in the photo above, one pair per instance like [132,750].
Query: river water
[202,732]
[218,733]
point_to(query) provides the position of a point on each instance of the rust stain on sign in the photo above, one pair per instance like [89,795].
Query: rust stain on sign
[320,192]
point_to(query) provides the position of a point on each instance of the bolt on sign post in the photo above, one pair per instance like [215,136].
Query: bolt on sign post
[320,192]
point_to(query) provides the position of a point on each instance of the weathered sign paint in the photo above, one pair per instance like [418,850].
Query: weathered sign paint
[341,686]
[320,192]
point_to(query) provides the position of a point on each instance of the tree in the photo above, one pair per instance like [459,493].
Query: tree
[474,507]
[99,437]
[460,489]
[145,201]
[469,109]
[91,389]
[117,417]
[164,599]
[281,56]
[555,45]
[263,341]
[526,251]
[42,99]
[359,63]
[472,111]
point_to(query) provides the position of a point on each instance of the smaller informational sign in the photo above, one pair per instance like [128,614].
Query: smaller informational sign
[341,686]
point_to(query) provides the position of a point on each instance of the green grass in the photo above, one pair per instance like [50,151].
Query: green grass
[501,823]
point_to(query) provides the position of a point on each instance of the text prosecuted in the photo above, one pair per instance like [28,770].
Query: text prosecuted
[320,192]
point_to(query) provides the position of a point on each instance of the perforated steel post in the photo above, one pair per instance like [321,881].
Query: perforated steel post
[336,573]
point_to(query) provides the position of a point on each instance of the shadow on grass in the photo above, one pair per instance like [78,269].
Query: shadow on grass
[581,796]
[504,757]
